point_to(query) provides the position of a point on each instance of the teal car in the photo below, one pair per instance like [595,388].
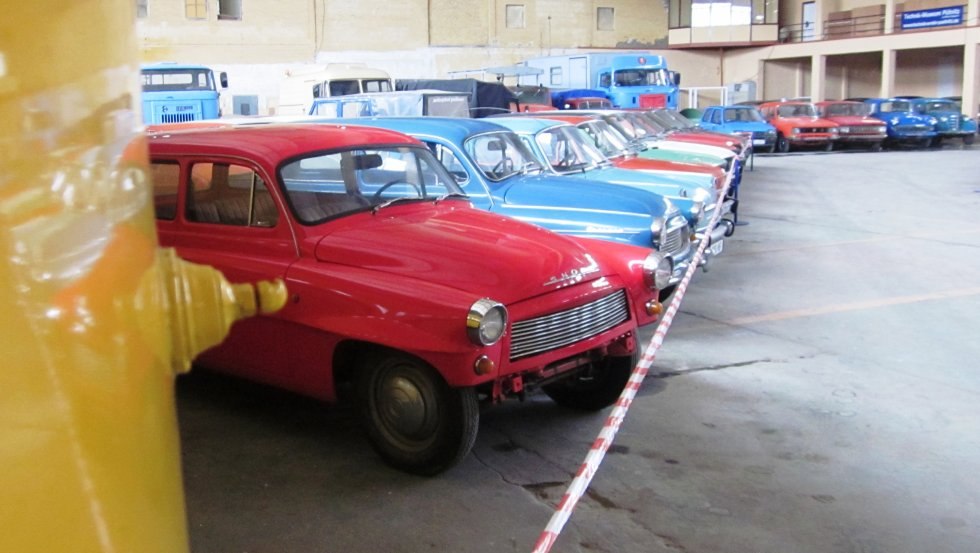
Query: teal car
[951,122]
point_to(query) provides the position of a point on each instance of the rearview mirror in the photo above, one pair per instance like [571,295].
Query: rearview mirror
[367,161]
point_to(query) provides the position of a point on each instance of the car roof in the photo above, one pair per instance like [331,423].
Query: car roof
[456,129]
[272,142]
[528,124]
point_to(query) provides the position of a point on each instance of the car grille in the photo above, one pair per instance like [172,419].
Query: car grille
[759,135]
[912,128]
[556,330]
[176,117]
[814,130]
[676,239]
[863,129]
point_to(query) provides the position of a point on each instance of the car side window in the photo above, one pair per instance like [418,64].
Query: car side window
[716,117]
[450,162]
[604,80]
[166,182]
[229,194]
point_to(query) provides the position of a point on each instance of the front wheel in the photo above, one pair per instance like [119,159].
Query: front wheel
[782,144]
[875,147]
[969,139]
[415,421]
[829,147]
[596,387]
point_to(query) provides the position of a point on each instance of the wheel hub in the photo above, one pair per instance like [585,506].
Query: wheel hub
[403,407]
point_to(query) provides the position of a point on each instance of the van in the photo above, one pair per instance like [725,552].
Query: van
[298,90]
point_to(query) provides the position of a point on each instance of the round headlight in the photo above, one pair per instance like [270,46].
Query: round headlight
[657,270]
[795,130]
[486,322]
[701,195]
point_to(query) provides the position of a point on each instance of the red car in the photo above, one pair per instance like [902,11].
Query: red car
[797,124]
[854,125]
[401,293]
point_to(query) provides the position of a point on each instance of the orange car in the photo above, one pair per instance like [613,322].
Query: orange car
[797,124]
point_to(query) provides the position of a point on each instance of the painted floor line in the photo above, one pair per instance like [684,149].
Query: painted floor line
[854,306]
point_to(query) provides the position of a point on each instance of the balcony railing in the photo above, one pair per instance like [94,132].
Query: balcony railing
[845,25]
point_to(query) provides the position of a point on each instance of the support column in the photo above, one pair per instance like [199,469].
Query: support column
[890,16]
[972,12]
[970,73]
[887,73]
[818,73]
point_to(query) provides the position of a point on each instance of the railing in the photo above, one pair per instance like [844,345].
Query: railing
[842,25]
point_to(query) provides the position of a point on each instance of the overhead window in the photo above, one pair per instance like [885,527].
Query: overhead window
[515,16]
[230,9]
[141,8]
[196,9]
[605,19]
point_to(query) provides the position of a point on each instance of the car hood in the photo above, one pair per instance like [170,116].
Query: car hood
[807,121]
[458,247]
[581,196]
[904,117]
[653,167]
[853,120]
[659,184]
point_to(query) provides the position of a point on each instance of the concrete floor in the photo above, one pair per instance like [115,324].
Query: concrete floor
[819,392]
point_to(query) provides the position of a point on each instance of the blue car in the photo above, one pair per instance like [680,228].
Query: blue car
[905,124]
[951,122]
[741,120]
[498,173]
[566,150]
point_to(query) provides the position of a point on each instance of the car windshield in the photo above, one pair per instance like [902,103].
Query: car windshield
[676,118]
[937,105]
[797,110]
[845,108]
[605,138]
[323,186]
[642,77]
[501,155]
[898,105]
[646,124]
[742,115]
[656,122]
[568,148]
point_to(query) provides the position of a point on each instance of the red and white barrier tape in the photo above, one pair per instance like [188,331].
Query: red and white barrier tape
[599,447]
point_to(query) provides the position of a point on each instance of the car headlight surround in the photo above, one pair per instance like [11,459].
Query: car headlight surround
[795,130]
[657,270]
[843,130]
[486,322]
[658,227]
[697,211]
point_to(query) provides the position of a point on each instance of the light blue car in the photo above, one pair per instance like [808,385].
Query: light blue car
[498,173]
[951,122]
[565,150]
[741,120]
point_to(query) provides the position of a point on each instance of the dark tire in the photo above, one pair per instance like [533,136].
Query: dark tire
[829,147]
[415,421]
[969,139]
[771,149]
[875,147]
[782,144]
[936,142]
[596,387]
[665,293]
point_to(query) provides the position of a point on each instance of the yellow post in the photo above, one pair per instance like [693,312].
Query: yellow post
[95,320]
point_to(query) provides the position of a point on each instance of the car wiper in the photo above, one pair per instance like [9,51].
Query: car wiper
[382,205]
[450,195]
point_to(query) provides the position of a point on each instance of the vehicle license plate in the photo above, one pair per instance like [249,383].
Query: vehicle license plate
[759,142]
[716,247]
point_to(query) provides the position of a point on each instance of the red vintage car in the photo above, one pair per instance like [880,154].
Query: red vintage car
[403,297]
[854,125]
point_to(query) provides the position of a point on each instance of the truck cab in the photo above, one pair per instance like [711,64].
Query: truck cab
[177,93]
[299,90]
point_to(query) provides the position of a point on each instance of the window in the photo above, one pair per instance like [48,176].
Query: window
[765,12]
[680,14]
[229,194]
[230,9]
[555,76]
[604,80]
[515,16]
[716,116]
[141,8]
[604,19]
[196,9]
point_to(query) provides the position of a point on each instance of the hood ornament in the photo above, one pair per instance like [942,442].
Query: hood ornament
[575,275]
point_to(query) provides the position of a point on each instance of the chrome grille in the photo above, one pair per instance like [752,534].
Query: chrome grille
[555,330]
[676,240]
[176,117]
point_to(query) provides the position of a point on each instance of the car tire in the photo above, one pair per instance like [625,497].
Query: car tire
[969,139]
[936,142]
[876,147]
[596,387]
[664,294]
[414,419]
[829,147]
[782,144]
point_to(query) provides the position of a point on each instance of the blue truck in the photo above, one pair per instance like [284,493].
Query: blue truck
[628,80]
[176,93]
